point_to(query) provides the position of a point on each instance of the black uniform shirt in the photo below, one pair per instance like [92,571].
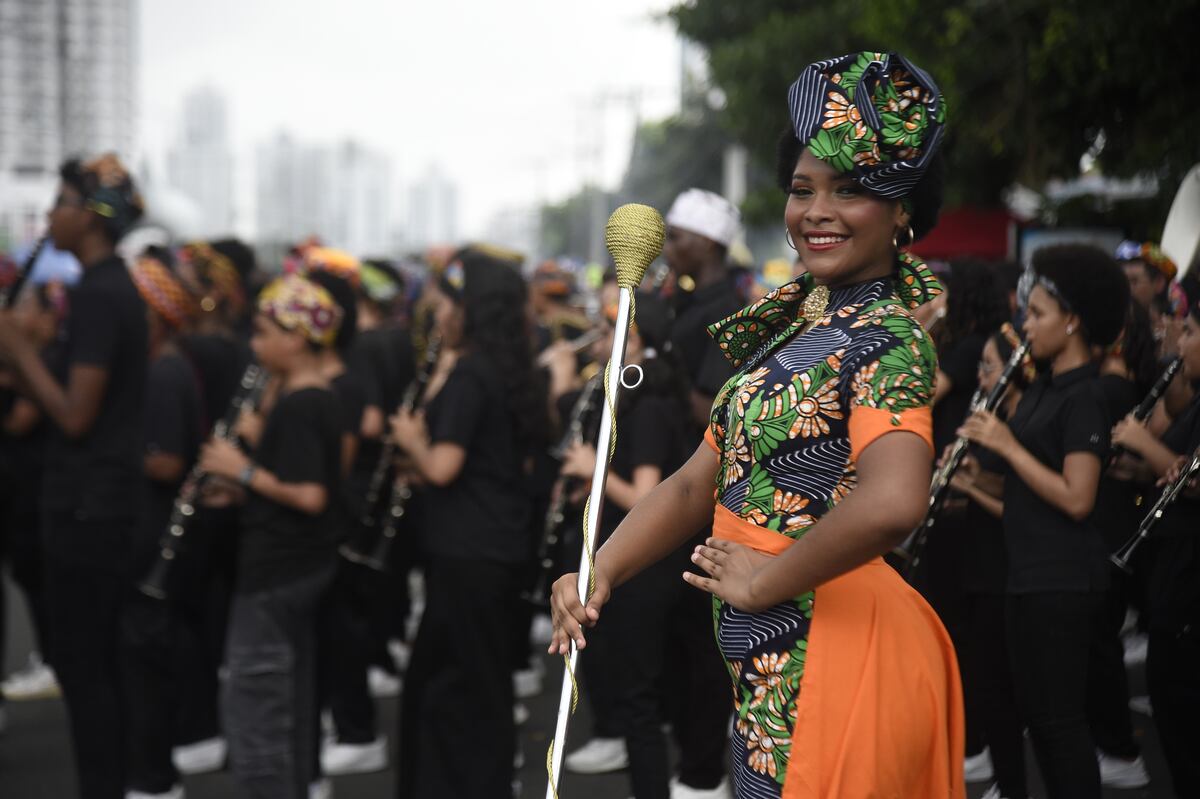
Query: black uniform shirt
[484,513]
[707,368]
[301,443]
[1047,550]
[99,474]
[960,362]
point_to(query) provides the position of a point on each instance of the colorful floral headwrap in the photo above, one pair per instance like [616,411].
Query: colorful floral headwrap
[301,306]
[215,272]
[163,292]
[335,262]
[1150,254]
[108,191]
[874,116]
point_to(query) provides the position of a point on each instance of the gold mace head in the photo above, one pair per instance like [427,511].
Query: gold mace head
[634,237]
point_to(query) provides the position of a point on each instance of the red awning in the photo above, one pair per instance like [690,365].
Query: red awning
[969,233]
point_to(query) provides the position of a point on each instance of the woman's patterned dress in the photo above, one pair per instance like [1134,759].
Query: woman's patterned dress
[783,428]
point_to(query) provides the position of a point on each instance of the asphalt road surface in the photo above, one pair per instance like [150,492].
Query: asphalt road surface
[35,759]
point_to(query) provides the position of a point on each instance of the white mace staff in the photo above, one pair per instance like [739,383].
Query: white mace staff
[634,237]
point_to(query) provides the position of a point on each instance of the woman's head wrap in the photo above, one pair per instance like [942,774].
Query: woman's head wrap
[706,214]
[874,116]
[301,306]
[336,262]
[162,291]
[482,268]
[380,281]
[1148,253]
[216,272]
[108,191]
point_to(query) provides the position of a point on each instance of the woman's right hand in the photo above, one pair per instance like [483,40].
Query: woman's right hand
[568,614]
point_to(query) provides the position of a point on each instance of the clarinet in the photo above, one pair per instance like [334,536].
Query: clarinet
[155,584]
[550,546]
[377,554]
[10,296]
[1124,555]
[939,489]
[1146,406]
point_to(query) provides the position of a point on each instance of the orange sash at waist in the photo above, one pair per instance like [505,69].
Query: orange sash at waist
[728,526]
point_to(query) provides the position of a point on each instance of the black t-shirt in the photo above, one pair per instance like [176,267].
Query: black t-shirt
[651,433]
[960,361]
[351,392]
[301,443]
[1047,550]
[485,513]
[706,367]
[984,561]
[1182,436]
[99,474]
[172,426]
[1173,584]
[220,361]
[382,359]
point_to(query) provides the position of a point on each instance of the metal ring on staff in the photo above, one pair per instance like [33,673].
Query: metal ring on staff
[625,383]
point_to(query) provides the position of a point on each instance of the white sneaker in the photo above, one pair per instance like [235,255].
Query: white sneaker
[598,756]
[402,653]
[321,789]
[681,791]
[35,681]
[338,759]
[382,684]
[200,757]
[541,631]
[176,792]
[1141,704]
[1118,773]
[978,768]
[992,793]
[1136,647]
[520,713]
[528,682]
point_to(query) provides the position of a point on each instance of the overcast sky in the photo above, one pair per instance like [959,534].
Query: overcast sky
[502,95]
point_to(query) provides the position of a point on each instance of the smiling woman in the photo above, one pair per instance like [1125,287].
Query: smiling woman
[845,682]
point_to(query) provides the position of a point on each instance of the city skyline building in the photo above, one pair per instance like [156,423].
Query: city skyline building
[200,162]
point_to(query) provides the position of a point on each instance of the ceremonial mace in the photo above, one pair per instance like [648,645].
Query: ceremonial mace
[634,237]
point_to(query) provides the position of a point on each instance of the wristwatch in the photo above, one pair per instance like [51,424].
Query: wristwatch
[246,475]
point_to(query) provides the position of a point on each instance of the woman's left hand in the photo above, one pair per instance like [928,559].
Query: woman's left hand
[987,430]
[579,461]
[731,570]
[408,428]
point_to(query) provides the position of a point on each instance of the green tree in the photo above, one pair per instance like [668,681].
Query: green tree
[1030,85]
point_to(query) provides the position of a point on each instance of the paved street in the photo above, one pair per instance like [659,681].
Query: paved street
[35,761]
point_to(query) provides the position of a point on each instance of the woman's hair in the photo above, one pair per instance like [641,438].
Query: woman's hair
[493,299]
[343,294]
[924,202]
[1138,348]
[977,302]
[1086,281]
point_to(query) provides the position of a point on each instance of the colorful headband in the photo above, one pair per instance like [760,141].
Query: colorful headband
[335,262]
[874,116]
[1051,288]
[301,306]
[214,271]
[114,196]
[163,292]
[1150,253]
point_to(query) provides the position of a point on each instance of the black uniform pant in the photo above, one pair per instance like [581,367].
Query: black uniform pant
[1173,676]
[345,649]
[1050,637]
[457,736]
[1108,683]
[88,583]
[988,689]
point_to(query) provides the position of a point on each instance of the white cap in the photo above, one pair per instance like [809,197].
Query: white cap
[706,214]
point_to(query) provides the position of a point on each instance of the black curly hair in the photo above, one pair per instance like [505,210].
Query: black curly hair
[493,299]
[977,301]
[1091,286]
[925,200]
[1138,348]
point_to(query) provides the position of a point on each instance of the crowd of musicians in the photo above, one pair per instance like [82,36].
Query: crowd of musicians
[236,499]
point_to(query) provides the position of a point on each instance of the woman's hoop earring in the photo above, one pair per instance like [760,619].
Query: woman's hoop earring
[787,234]
[896,238]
